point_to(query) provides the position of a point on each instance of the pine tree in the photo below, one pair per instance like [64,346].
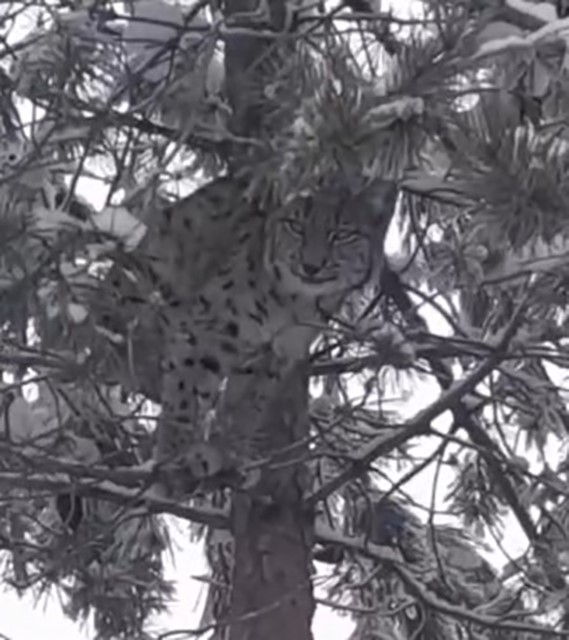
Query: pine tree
[430,417]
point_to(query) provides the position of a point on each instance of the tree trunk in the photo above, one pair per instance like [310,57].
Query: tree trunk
[272,594]
[251,62]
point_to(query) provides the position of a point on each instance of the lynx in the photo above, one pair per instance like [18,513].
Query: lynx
[241,283]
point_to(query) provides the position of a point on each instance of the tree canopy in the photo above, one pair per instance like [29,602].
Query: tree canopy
[437,416]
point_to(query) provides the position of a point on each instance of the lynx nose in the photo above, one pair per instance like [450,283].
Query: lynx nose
[310,269]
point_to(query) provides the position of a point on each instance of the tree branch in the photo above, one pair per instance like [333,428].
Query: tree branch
[462,416]
[106,490]
[415,427]
[325,535]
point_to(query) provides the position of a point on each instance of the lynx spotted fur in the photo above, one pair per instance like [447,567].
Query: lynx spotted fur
[242,283]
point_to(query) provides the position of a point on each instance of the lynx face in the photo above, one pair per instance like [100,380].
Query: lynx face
[330,243]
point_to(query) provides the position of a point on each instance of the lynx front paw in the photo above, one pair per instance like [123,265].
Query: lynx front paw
[194,469]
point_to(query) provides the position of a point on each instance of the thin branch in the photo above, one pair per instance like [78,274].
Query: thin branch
[480,438]
[111,492]
[325,535]
[415,427]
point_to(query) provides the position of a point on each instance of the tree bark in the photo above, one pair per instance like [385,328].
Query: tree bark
[271,594]
[271,590]
[251,61]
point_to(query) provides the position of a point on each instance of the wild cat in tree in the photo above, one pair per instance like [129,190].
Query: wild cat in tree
[240,282]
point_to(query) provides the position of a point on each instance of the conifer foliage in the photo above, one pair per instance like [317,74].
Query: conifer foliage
[427,483]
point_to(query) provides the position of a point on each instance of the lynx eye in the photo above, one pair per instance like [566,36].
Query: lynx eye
[343,235]
[294,226]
